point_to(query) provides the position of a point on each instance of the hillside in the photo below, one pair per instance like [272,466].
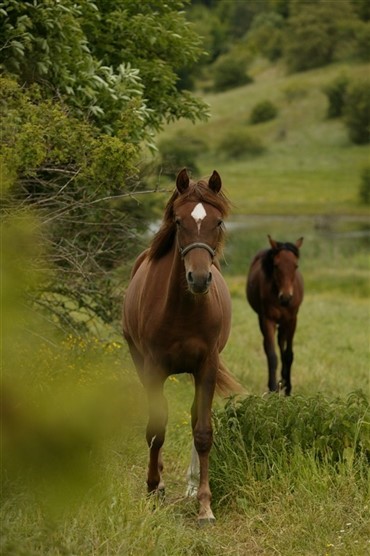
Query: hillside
[309,165]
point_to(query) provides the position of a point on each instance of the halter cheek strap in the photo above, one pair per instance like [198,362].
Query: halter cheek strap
[185,250]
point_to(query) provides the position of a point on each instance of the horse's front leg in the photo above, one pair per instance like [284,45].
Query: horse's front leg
[155,432]
[287,355]
[192,475]
[205,382]
[268,328]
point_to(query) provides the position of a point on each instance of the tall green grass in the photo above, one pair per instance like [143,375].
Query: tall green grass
[261,437]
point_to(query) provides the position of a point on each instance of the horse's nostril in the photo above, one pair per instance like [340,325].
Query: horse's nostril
[190,277]
[209,278]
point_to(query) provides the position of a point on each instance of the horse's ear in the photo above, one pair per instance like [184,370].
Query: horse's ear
[299,242]
[182,181]
[273,243]
[215,182]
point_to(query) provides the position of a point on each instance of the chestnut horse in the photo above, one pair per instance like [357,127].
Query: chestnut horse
[177,314]
[275,292]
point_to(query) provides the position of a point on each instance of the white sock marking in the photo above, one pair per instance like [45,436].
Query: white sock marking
[192,474]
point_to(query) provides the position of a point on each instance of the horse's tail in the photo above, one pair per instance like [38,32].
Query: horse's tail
[226,384]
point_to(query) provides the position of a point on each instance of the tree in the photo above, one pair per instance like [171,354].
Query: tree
[99,56]
[313,33]
[77,105]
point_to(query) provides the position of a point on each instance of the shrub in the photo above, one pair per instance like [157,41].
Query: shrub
[362,37]
[336,91]
[315,31]
[230,71]
[357,111]
[364,191]
[179,152]
[263,437]
[266,34]
[263,112]
[308,44]
[240,143]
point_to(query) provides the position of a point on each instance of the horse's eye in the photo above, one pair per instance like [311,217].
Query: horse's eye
[220,223]
[177,221]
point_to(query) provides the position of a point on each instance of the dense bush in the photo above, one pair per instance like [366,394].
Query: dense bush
[336,92]
[266,35]
[240,143]
[263,111]
[78,184]
[357,111]
[230,71]
[261,437]
[98,58]
[82,90]
[178,152]
[314,31]
[364,192]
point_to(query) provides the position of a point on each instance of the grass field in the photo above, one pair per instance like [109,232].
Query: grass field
[73,448]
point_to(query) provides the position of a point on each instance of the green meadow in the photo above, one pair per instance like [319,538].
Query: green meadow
[74,453]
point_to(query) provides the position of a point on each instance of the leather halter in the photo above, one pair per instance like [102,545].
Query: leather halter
[195,245]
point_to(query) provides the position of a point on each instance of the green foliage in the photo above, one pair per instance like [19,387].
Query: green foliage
[230,71]
[357,111]
[364,191]
[336,93]
[259,437]
[180,151]
[306,34]
[263,111]
[266,35]
[240,143]
[213,31]
[154,38]
[313,33]
[238,16]
[85,85]
[98,58]
[70,176]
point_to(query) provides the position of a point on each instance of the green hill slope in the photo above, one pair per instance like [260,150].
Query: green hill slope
[309,165]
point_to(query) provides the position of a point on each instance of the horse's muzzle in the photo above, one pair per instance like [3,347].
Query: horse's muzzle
[285,299]
[199,282]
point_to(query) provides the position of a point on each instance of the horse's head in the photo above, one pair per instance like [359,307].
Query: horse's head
[284,265]
[198,214]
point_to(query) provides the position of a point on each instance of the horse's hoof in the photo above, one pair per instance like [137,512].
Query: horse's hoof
[206,521]
[157,498]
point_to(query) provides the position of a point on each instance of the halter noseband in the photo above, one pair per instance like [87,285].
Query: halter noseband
[185,250]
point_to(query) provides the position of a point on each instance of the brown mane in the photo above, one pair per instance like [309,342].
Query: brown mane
[197,191]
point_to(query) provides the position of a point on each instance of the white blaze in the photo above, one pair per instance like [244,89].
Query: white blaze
[199,214]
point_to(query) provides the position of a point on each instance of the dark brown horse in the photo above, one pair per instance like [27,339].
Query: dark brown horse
[275,292]
[177,314]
